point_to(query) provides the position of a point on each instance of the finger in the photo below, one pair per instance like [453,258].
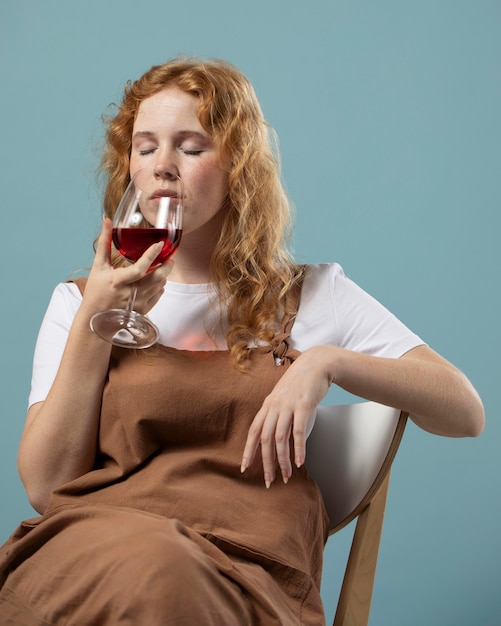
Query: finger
[268,450]
[103,248]
[282,445]
[168,266]
[164,269]
[252,441]
[299,432]
[154,280]
[143,264]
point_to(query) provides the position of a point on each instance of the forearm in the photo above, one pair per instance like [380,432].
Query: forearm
[60,437]
[437,396]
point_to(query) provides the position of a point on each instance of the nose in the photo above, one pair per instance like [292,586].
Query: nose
[165,167]
[165,173]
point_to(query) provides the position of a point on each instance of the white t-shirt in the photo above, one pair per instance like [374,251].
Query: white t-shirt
[333,311]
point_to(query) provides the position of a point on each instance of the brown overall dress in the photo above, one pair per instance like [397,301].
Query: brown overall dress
[166,531]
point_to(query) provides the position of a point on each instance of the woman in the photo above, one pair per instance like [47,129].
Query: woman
[156,471]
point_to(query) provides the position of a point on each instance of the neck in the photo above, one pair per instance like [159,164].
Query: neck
[192,258]
[188,271]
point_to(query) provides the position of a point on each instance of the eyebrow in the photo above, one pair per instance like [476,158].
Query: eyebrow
[182,133]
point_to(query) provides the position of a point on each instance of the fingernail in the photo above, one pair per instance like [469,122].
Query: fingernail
[243,467]
[285,479]
[267,483]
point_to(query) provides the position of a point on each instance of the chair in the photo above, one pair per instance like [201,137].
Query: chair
[349,454]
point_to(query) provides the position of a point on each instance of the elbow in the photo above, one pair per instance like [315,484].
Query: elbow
[464,407]
[476,422]
[38,498]
[38,502]
[37,495]
[470,413]
[474,412]
[456,413]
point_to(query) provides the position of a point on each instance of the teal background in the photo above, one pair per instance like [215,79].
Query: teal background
[389,118]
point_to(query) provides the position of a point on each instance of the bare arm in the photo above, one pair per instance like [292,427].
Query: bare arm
[438,397]
[60,436]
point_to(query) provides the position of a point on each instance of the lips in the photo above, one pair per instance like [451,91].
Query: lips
[164,193]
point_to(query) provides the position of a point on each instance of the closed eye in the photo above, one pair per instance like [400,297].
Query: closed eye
[192,152]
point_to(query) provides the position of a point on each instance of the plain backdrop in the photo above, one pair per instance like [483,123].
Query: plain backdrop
[388,115]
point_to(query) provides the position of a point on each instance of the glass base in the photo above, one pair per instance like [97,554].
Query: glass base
[123,328]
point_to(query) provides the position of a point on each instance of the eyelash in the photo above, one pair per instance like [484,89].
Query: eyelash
[188,152]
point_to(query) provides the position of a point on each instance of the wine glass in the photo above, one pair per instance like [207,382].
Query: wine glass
[151,210]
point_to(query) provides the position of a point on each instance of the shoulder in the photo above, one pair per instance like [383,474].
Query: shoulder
[70,292]
[65,300]
[328,288]
[323,273]
[335,310]
[329,281]
[316,321]
[322,279]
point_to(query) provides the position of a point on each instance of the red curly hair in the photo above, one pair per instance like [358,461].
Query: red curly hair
[251,265]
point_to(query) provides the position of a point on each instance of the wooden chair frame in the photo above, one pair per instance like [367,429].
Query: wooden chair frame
[349,454]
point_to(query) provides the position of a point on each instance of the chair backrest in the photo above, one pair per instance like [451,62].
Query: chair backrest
[349,454]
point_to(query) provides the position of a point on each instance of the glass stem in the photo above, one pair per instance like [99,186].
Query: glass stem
[132,299]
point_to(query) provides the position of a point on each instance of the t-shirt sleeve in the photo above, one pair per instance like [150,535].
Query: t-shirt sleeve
[334,310]
[52,338]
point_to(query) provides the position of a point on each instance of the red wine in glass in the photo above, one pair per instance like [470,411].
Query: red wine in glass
[132,243]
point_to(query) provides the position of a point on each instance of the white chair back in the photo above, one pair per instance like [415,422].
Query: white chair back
[349,453]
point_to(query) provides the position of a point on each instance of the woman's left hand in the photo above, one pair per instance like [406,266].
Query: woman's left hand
[288,411]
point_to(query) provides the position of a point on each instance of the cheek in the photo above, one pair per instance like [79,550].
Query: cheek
[213,182]
[134,165]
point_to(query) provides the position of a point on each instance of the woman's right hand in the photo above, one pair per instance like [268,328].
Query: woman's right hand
[109,288]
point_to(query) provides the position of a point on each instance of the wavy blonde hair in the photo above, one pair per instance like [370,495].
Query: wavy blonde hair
[251,265]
